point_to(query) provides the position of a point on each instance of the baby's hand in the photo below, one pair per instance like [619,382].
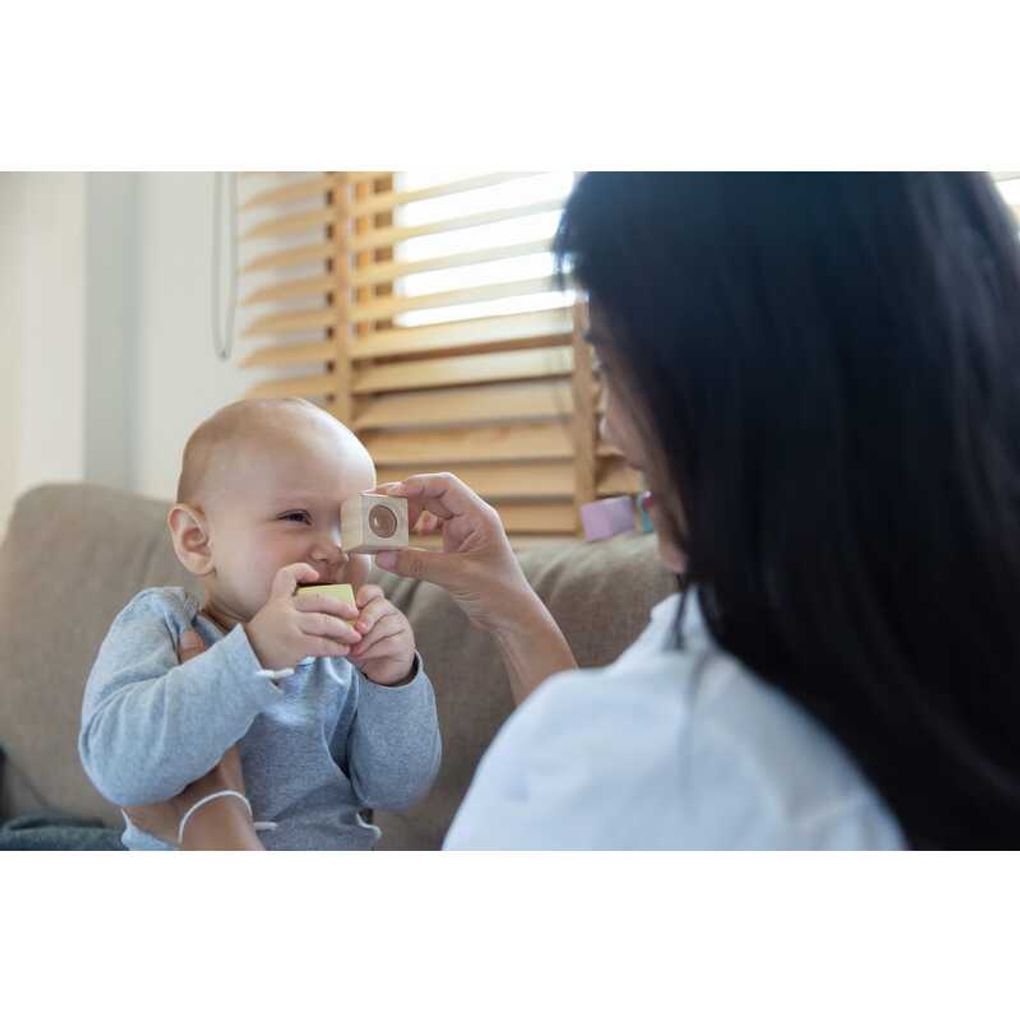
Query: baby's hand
[385,653]
[287,629]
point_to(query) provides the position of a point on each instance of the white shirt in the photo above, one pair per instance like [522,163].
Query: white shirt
[668,749]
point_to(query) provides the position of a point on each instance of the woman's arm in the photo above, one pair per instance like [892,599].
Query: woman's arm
[222,824]
[479,569]
[532,645]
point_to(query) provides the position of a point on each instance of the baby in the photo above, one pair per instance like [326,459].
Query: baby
[331,705]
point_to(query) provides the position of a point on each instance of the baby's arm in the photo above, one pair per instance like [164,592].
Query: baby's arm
[150,725]
[393,747]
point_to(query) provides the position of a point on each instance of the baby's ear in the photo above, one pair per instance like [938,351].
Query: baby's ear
[190,533]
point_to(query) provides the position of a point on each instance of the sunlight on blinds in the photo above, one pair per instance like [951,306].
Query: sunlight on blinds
[542,193]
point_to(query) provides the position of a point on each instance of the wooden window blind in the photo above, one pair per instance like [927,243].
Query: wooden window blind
[423,312]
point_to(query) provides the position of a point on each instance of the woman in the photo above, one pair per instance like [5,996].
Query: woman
[819,374]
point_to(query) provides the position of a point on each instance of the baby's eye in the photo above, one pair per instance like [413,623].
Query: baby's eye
[301,516]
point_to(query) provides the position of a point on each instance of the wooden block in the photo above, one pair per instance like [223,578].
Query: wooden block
[607,517]
[344,592]
[371,523]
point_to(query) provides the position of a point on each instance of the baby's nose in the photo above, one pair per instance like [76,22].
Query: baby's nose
[328,549]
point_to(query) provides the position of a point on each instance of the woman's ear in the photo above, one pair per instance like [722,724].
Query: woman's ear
[190,532]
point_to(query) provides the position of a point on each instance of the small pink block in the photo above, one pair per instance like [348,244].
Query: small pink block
[607,517]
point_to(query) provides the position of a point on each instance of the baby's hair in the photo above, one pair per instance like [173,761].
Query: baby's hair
[237,421]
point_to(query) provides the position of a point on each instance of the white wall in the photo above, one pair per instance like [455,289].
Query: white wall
[180,380]
[42,330]
[10,338]
[106,356]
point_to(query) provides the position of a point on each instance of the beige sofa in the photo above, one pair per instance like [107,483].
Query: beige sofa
[75,554]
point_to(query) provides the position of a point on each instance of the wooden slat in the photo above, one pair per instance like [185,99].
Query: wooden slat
[392,199]
[358,226]
[462,296]
[388,271]
[539,441]
[553,479]
[616,477]
[608,450]
[291,354]
[340,268]
[299,386]
[295,223]
[555,518]
[443,336]
[394,235]
[318,184]
[469,405]
[476,368]
[306,253]
[307,286]
[279,323]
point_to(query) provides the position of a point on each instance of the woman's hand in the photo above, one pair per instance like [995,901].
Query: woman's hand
[479,569]
[476,566]
[224,823]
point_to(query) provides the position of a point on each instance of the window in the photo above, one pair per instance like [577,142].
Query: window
[422,310]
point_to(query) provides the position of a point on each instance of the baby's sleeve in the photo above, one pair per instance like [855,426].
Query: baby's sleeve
[393,747]
[151,725]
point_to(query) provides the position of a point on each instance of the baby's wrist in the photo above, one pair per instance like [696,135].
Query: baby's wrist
[401,679]
[263,653]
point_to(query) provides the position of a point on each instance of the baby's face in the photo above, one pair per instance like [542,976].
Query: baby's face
[279,503]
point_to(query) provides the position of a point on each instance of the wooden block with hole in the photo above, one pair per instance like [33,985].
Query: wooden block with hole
[371,523]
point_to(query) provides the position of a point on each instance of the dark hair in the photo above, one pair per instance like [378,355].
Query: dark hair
[828,367]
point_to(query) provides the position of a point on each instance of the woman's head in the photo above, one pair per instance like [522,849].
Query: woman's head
[824,373]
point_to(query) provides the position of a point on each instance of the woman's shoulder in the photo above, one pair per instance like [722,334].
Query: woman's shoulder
[672,747]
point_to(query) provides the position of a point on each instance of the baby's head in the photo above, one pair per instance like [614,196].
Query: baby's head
[261,486]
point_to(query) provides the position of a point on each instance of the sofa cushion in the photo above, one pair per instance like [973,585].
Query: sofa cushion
[74,555]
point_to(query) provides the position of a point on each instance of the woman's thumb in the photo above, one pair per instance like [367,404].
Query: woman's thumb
[419,563]
[191,645]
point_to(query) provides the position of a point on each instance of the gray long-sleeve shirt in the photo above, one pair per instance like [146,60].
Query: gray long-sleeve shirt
[315,747]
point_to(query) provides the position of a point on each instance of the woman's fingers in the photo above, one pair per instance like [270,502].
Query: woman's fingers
[424,564]
[159,820]
[190,646]
[443,495]
[162,820]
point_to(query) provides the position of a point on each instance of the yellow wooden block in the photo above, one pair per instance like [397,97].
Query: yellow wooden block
[344,592]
